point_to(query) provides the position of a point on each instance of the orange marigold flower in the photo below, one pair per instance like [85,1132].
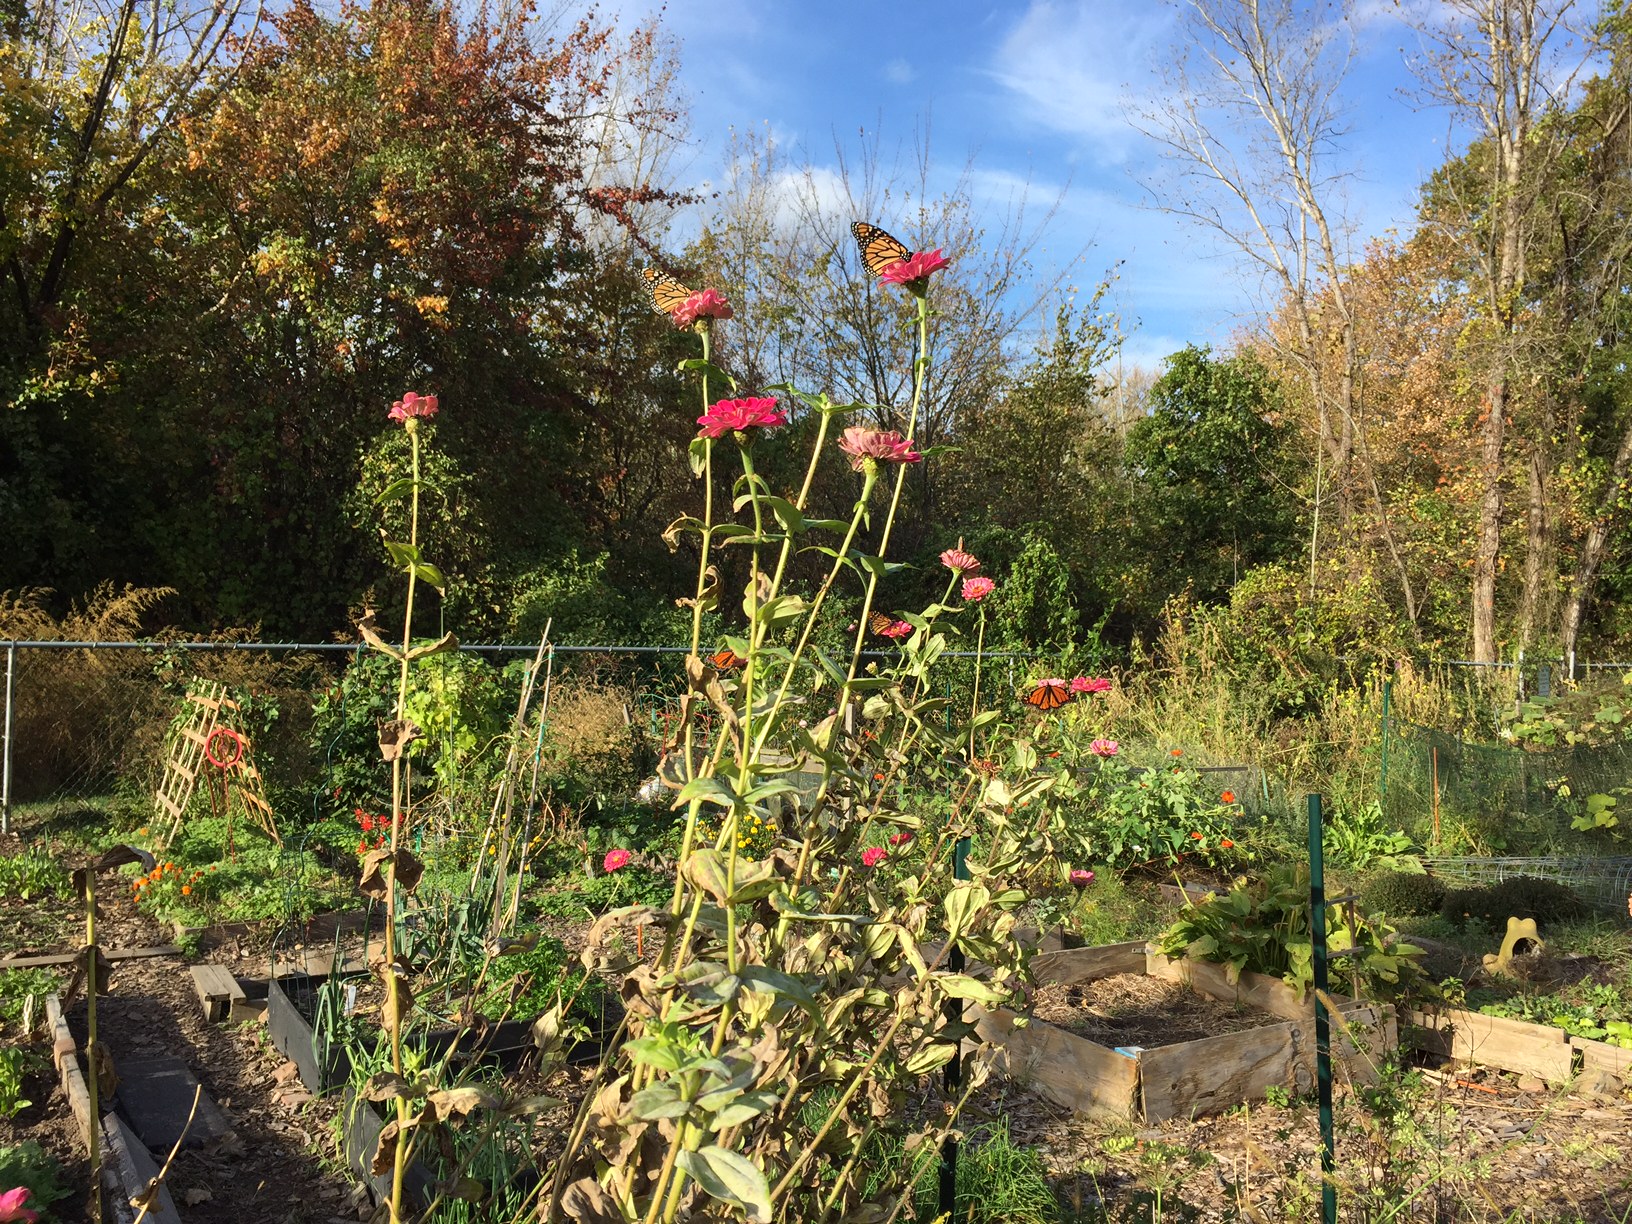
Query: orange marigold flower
[1178,752]
[1228,796]
[186,890]
[1226,844]
[1197,836]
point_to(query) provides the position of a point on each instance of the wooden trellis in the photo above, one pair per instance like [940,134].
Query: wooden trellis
[210,709]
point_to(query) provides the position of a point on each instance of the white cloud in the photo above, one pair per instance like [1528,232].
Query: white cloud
[1069,64]
[899,72]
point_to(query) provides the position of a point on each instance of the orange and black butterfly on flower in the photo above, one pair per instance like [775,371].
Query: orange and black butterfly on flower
[727,660]
[879,249]
[887,626]
[666,293]
[1049,695]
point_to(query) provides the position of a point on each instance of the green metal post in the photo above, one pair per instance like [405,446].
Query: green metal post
[1323,1026]
[1382,781]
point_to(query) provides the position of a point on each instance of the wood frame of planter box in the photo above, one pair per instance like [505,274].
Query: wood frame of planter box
[1190,1077]
[1541,1050]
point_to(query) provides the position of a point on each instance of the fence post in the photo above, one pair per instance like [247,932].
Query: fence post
[5,770]
[1382,780]
[1323,1026]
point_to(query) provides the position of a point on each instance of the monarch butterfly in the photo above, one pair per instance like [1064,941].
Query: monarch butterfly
[726,660]
[1049,695]
[888,626]
[879,249]
[666,293]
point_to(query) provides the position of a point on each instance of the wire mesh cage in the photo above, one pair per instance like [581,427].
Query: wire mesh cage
[1604,883]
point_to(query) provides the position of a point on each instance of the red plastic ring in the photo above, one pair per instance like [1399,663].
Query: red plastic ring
[237,747]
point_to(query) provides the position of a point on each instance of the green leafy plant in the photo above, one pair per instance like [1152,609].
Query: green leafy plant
[29,1165]
[1403,892]
[32,875]
[23,992]
[1598,1011]
[15,1065]
[1262,926]
[1360,838]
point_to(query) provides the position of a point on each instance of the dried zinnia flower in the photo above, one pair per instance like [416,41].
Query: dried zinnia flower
[879,445]
[739,416]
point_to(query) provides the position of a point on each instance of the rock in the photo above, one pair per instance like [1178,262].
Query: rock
[1596,1082]
[1531,1083]
[285,1074]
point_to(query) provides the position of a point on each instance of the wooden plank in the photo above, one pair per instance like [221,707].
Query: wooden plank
[1216,1073]
[130,1168]
[68,958]
[1601,1056]
[1069,1070]
[1072,965]
[1252,990]
[66,1055]
[217,990]
[1494,1041]
[1361,1036]
[1190,893]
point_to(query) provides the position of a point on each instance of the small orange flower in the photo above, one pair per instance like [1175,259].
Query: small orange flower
[1178,752]
[1226,844]
[1197,836]
[186,890]
[1228,796]
[878,777]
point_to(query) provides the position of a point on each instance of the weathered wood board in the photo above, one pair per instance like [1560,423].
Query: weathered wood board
[1072,965]
[1601,1056]
[1494,1041]
[1215,1073]
[1067,1069]
[218,991]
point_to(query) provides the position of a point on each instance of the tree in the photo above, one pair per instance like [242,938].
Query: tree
[1206,462]
[1249,117]
[1499,65]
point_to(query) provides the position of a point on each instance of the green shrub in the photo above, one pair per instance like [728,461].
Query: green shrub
[1517,897]
[1402,892]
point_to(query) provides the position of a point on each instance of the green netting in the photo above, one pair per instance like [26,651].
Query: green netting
[1494,798]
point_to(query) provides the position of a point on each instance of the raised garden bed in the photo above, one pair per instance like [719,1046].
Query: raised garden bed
[1541,1050]
[291,1010]
[1136,1070]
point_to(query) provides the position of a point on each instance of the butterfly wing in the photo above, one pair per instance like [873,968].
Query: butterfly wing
[878,622]
[726,660]
[879,249]
[1047,697]
[666,292]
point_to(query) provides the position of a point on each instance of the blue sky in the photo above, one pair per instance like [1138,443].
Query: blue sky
[1033,90]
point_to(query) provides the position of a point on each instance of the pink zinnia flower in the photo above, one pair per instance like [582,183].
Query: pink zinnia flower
[615,859]
[873,856]
[900,839]
[896,629]
[1104,747]
[11,1206]
[960,562]
[879,445]
[976,589]
[1081,878]
[704,304]
[739,416]
[914,273]
[1090,684]
[413,405]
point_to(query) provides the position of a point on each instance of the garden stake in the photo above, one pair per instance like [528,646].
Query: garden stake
[952,1009]
[92,1049]
[1323,1028]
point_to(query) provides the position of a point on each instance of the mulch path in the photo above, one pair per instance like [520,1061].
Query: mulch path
[1133,1009]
